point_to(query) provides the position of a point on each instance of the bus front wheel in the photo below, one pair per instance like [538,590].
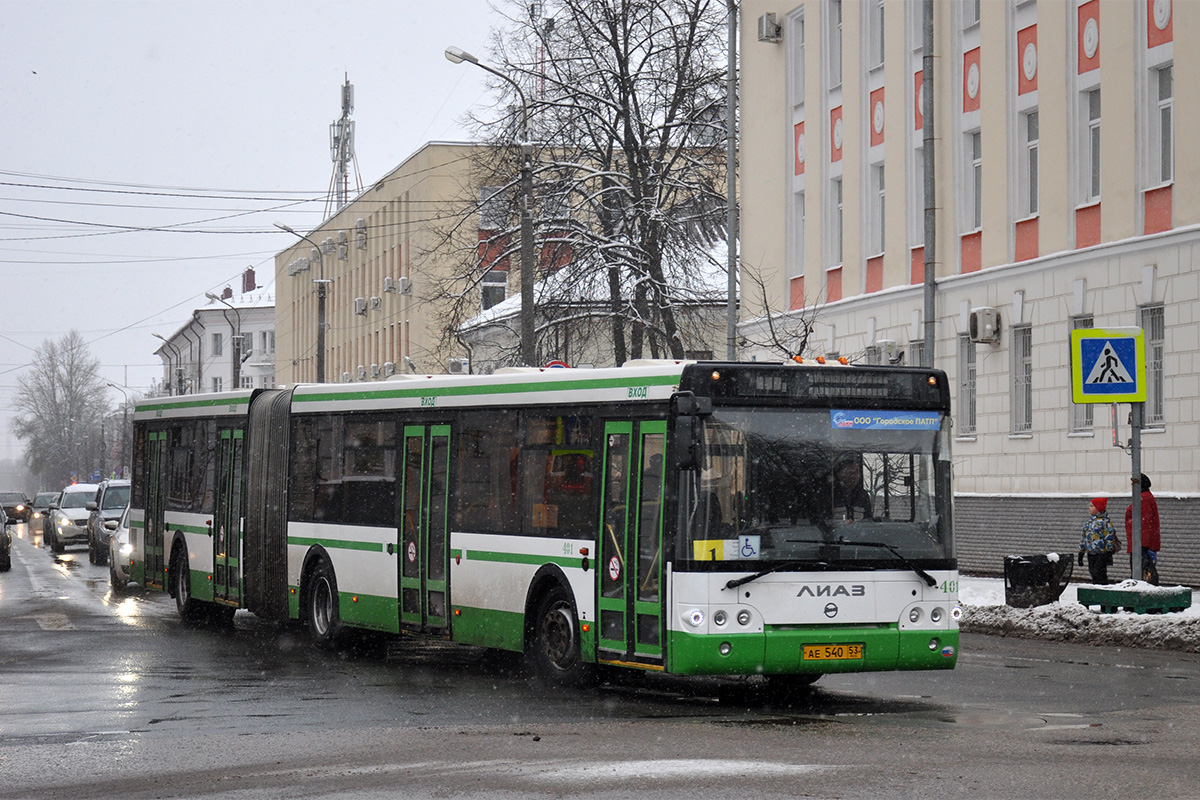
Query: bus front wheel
[321,609]
[190,609]
[556,646]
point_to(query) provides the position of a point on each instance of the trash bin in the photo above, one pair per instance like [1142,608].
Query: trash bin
[1035,580]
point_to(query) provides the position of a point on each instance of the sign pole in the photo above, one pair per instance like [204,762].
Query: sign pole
[1135,448]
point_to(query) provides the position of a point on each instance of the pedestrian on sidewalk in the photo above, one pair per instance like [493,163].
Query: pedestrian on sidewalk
[1150,536]
[1099,541]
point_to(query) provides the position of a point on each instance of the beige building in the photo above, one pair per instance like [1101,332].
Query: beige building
[386,264]
[1052,214]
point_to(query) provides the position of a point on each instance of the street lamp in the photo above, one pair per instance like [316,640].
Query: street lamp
[177,377]
[237,337]
[125,451]
[528,348]
[321,283]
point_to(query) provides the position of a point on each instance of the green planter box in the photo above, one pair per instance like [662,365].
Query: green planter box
[1152,601]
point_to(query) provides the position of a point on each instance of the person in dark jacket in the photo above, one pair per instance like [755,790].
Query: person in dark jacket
[1150,533]
[1099,541]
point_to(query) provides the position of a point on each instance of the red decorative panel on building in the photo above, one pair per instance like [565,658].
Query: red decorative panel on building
[1027,60]
[1160,23]
[1027,239]
[798,147]
[877,117]
[796,292]
[1087,226]
[918,84]
[835,134]
[874,274]
[490,250]
[1089,36]
[833,284]
[971,80]
[972,252]
[1158,210]
[917,266]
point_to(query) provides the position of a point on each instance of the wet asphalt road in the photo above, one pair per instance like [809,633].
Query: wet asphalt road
[105,696]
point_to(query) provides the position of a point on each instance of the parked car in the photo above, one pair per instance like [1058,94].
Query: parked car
[69,516]
[40,521]
[120,551]
[16,506]
[5,543]
[111,499]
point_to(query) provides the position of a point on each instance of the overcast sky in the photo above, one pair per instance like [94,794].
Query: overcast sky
[219,108]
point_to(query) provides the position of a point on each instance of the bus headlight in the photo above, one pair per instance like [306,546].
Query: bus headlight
[695,617]
[743,617]
[936,614]
[914,615]
[720,618]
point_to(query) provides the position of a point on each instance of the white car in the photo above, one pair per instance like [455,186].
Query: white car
[120,552]
[69,517]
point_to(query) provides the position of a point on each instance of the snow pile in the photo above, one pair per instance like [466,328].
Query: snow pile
[984,611]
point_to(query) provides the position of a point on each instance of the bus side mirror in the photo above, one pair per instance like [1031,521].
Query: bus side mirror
[687,445]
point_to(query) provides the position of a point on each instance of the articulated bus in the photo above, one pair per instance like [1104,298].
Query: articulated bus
[784,520]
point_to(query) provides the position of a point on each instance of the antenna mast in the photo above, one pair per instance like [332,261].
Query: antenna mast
[341,150]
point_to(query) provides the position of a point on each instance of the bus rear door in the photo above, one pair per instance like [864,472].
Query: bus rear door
[424,525]
[227,520]
[630,569]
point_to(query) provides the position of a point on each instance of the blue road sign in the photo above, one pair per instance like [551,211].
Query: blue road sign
[1108,365]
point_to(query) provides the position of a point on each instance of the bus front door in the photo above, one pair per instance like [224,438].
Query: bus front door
[630,569]
[424,528]
[154,522]
[227,519]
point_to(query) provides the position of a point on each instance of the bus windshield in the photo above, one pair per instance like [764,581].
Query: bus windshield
[829,486]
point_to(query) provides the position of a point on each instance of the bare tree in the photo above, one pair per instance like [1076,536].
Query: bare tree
[60,404]
[626,102]
[788,334]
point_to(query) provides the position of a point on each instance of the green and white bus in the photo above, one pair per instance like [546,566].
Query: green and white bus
[785,520]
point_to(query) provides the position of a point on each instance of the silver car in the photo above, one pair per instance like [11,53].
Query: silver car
[68,518]
[120,552]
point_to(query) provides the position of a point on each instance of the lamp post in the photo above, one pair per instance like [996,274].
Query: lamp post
[173,372]
[528,346]
[236,337]
[124,423]
[321,283]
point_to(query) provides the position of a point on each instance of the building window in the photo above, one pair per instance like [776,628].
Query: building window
[247,382]
[493,288]
[966,386]
[217,344]
[796,262]
[1022,379]
[1092,99]
[975,148]
[1154,328]
[835,244]
[796,42]
[217,384]
[875,34]
[916,353]
[1030,171]
[493,208]
[1164,141]
[835,44]
[876,245]
[1082,414]
[970,13]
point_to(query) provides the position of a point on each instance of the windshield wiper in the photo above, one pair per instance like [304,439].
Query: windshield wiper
[733,584]
[929,579]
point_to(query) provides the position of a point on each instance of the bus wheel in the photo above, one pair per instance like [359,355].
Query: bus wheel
[556,652]
[190,609]
[321,609]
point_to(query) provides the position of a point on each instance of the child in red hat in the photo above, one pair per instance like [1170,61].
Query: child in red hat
[1099,541]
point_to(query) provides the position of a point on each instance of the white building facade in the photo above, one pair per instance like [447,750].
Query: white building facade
[1062,202]
[225,345]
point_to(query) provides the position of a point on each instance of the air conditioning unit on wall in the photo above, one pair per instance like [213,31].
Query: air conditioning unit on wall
[985,325]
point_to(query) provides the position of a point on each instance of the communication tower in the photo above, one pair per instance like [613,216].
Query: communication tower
[341,150]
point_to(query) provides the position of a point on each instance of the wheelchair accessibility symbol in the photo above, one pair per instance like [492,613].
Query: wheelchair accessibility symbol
[749,547]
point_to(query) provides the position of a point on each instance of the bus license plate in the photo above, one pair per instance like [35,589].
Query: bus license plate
[833,652]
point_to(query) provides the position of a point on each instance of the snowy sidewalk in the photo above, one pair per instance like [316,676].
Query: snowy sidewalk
[984,611]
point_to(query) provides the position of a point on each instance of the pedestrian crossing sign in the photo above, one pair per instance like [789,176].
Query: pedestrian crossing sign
[1108,365]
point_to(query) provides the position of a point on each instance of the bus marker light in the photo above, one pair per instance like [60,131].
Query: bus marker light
[586,627]
[354,599]
[716,375]
[956,613]
[458,612]
[820,359]
[583,551]
[695,617]
[843,360]
[210,577]
[932,379]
